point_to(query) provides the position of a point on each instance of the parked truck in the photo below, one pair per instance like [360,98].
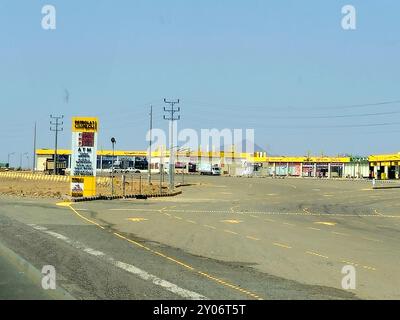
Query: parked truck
[209,169]
[61,167]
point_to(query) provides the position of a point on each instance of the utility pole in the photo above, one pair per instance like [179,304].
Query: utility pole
[171,118]
[151,137]
[34,149]
[56,123]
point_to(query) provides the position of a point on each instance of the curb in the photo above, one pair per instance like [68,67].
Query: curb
[128,196]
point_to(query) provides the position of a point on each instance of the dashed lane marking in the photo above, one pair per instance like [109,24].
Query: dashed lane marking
[232,221]
[231,232]
[272,213]
[326,223]
[144,275]
[317,254]
[357,264]
[340,233]
[281,245]
[222,282]
[137,219]
[274,243]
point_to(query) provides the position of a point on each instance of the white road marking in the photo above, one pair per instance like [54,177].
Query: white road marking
[126,267]
[262,212]
[94,252]
[159,282]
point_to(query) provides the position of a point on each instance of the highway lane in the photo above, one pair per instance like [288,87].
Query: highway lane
[95,262]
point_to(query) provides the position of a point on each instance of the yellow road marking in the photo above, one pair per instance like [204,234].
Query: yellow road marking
[252,238]
[231,286]
[369,268]
[232,221]
[316,254]
[137,219]
[229,231]
[88,220]
[64,204]
[222,282]
[326,223]
[282,245]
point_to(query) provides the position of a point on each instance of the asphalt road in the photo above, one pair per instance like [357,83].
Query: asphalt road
[223,238]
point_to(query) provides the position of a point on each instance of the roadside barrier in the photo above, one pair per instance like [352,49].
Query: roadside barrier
[32,176]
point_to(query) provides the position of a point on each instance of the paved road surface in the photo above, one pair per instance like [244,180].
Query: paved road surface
[223,238]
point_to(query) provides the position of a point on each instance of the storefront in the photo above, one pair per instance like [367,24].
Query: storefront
[384,166]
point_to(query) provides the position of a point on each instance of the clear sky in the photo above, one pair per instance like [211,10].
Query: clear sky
[285,68]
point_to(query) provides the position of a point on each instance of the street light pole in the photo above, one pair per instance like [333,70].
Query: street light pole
[20,159]
[34,149]
[8,158]
[151,137]
[113,141]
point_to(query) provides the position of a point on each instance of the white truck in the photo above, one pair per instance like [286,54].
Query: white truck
[209,169]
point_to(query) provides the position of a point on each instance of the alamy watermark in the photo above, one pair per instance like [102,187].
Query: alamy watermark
[205,140]
[349,280]
[49,277]
[49,18]
[349,20]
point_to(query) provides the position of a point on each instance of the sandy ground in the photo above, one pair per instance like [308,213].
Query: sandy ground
[60,190]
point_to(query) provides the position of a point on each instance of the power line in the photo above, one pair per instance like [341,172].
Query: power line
[364,105]
[337,126]
[55,126]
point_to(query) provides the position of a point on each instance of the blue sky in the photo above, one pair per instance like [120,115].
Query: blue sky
[284,68]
